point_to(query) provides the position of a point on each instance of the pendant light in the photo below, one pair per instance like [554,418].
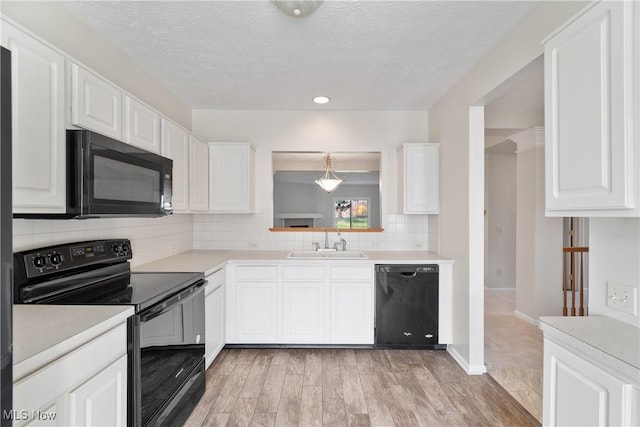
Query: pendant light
[329,181]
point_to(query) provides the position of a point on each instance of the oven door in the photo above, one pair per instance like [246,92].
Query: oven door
[111,178]
[170,338]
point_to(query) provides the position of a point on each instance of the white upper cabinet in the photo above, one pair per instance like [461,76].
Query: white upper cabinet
[95,103]
[141,125]
[38,124]
[419,178]
[231,177]
[591,113]
[198,175]
[175,145]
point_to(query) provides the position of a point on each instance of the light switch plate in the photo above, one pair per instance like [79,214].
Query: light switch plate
[622,297]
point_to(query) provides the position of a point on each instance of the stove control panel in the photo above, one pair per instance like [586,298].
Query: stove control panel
[61,258]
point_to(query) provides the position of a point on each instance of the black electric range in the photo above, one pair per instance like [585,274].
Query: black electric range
[166,335]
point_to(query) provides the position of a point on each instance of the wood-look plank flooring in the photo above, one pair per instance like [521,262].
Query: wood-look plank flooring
[350,387]
[513,350]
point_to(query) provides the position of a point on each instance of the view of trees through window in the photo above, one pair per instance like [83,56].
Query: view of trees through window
[352,213]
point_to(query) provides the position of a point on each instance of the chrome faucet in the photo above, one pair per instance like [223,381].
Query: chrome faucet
[326,246]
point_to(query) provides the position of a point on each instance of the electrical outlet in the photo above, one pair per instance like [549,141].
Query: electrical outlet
[621,297]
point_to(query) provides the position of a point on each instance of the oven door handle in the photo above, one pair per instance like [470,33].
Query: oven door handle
[169,304]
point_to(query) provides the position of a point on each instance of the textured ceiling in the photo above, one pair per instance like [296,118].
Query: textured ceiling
[249,55]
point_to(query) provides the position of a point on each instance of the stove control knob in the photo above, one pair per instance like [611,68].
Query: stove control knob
[125,247]
[55,259]
[117,248]
[39,261]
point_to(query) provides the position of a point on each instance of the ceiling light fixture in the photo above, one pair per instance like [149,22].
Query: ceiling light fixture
[298,8]
[329,181]
[321,99]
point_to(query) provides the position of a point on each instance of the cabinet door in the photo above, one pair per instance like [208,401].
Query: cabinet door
[175,145]
[214,320]
[420,177]
[589,81]
[95,104]
[230,176]
[37,87]
[199,175]
[141,126]
[256,312]
[578,393]
[102,400]
[351,313]
[303,312]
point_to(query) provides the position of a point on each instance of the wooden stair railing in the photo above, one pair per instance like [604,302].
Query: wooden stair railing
[575,255]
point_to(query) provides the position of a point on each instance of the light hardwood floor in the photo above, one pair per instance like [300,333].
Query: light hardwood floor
[513,350]
[346,387]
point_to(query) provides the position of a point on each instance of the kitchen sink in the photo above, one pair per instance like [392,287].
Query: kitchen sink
[327,255]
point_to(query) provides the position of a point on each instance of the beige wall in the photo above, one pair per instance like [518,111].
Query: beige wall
[500,236]
[54,23]
[449,125]
[351,131]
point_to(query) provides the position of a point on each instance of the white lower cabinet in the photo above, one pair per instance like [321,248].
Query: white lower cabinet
[581,391]
[257,312]
[351,313]
[352,302]
[102,399]
[86,387]
[214,315]
[300,304]
[303,303]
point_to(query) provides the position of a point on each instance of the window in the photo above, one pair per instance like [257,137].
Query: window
[351,213]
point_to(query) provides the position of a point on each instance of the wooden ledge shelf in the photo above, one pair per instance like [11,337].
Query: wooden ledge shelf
[331,230]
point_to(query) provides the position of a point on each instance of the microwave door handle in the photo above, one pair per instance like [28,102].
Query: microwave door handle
[167,207]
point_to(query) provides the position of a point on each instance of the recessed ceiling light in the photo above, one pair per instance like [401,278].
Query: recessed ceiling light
[321,99]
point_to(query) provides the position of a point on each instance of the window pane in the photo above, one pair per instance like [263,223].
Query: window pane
[352,213]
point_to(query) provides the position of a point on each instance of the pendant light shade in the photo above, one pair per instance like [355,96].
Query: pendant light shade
[329,181]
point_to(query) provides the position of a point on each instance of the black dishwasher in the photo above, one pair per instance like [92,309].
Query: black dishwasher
[407,306]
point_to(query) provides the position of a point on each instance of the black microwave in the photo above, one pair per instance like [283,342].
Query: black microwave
[108,178]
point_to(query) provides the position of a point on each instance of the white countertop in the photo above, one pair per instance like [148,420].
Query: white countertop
[44,333]
[613,337]
[208,261]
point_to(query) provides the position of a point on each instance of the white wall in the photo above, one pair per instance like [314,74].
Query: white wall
[500,197]
[539,238]
[151,238]
[350,131]
[614,255]
[51,21]
[460,209]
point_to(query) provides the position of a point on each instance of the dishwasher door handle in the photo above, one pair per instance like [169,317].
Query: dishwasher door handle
[409,274]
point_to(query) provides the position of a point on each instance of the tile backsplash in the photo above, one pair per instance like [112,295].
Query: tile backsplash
[250,232]
[155,238]
[151,238]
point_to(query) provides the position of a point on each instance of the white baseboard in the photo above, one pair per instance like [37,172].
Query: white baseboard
[464,364]
[526,318]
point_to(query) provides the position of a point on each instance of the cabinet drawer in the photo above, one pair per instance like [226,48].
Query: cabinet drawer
[257,272]
[304,272]
[364,272]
